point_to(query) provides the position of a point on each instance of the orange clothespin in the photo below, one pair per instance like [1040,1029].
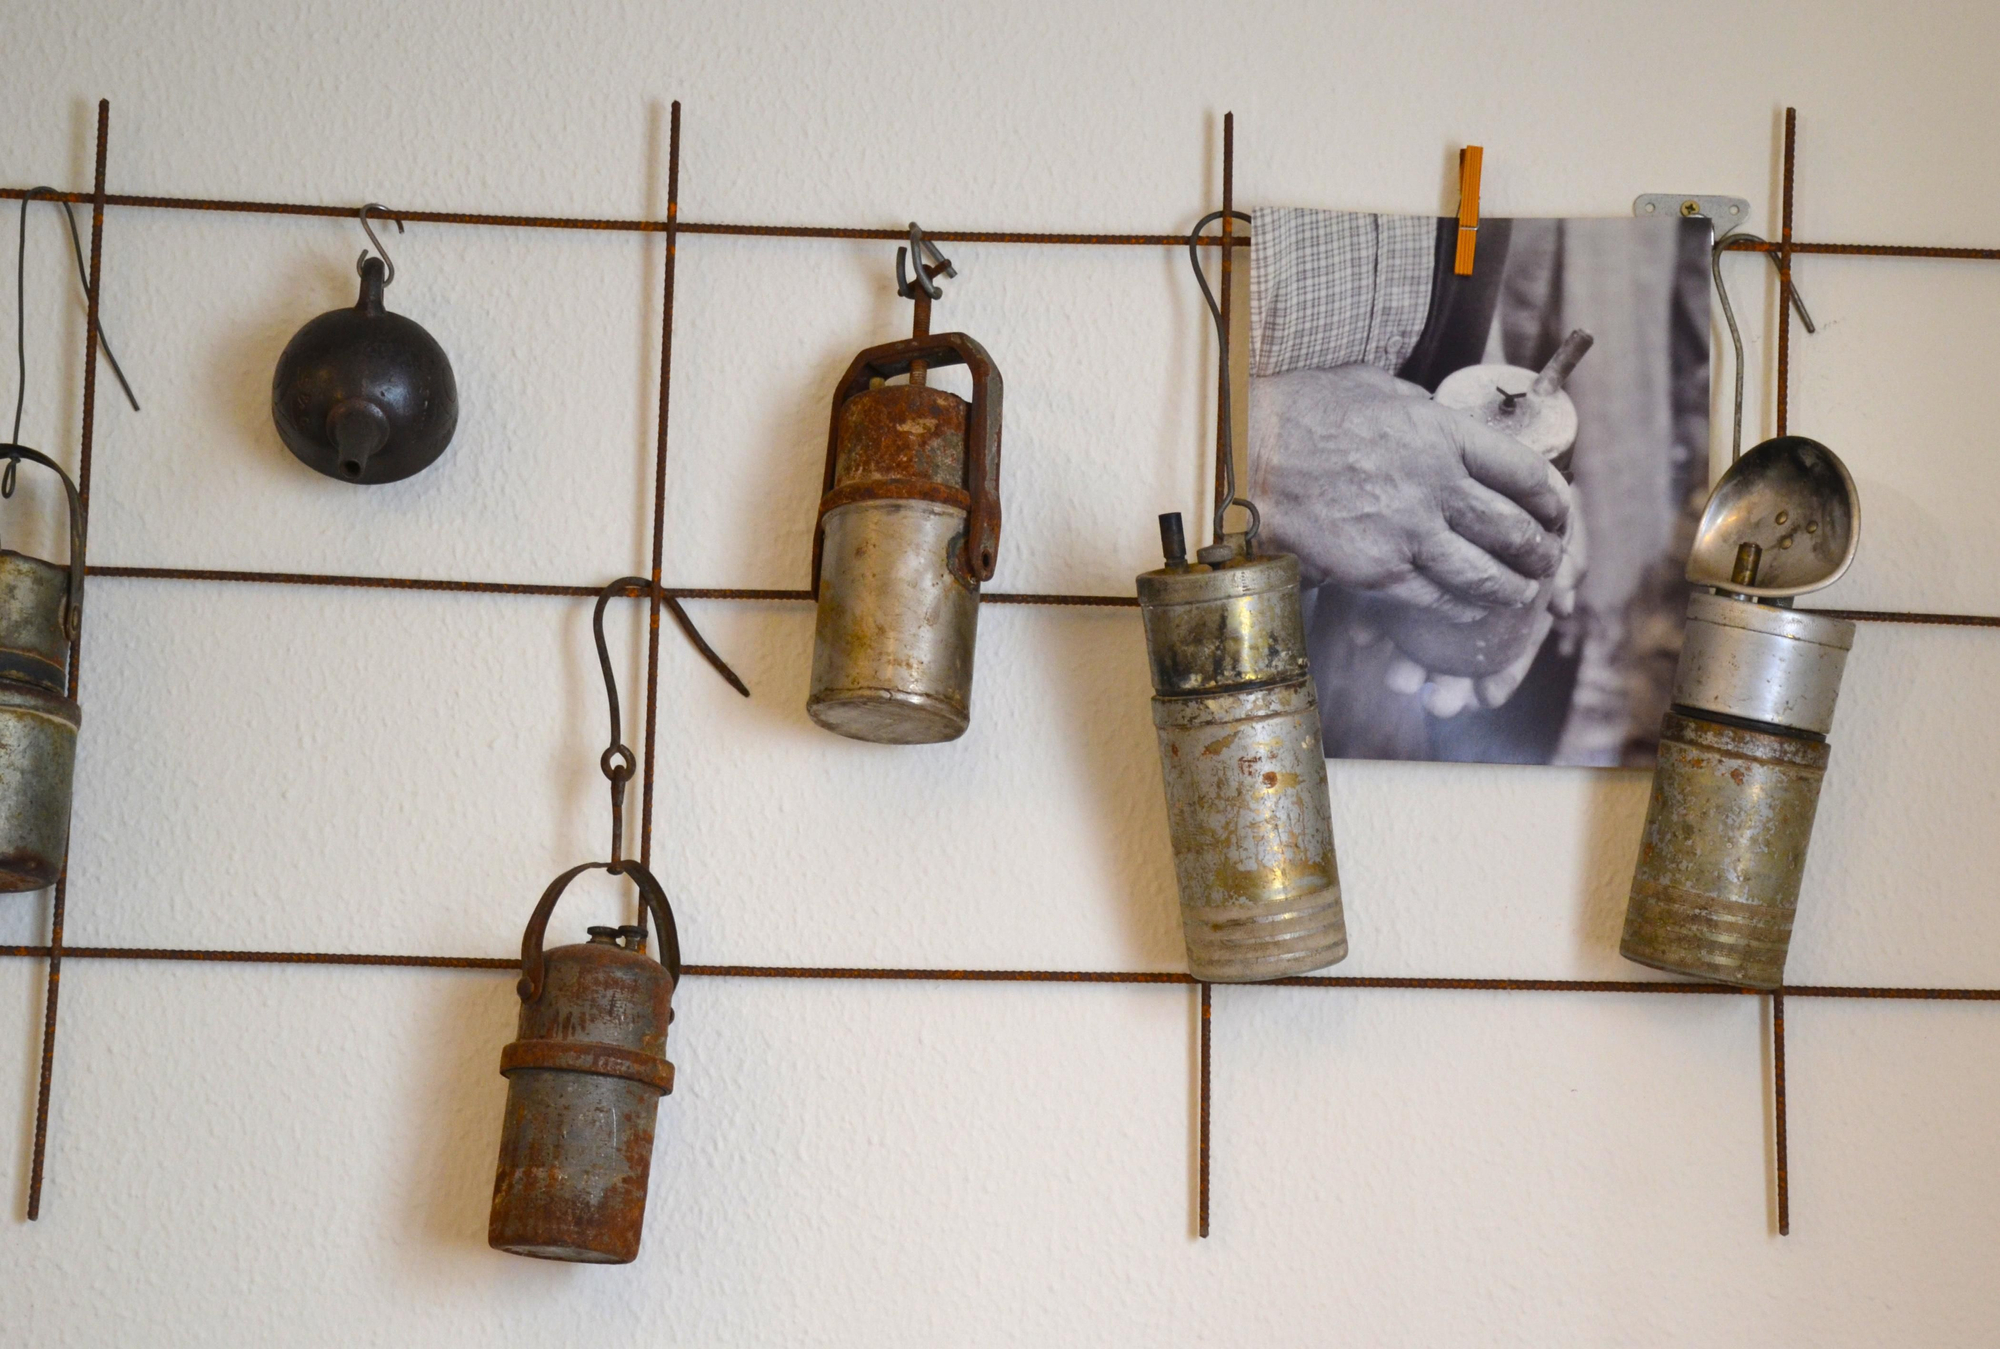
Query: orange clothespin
[1468,207]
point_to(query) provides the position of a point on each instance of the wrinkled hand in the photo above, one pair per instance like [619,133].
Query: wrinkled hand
[1449,695]
[1379,490]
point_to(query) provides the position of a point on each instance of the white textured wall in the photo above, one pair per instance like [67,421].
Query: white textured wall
[250,1155]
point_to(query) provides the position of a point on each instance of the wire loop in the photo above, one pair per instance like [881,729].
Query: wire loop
[1228,433]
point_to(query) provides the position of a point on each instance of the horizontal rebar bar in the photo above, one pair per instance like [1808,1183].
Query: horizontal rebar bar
[1865,250]
[802,596]
[607,225]
[1896,616]
[610,225]
[535,588]
[1434,983]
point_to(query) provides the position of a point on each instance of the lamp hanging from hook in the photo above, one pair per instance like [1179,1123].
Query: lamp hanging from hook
[909,529]
[587,1070]
[388,264]
[1237,717]
[361,394]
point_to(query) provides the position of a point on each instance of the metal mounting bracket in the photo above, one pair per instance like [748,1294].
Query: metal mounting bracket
[1724,214]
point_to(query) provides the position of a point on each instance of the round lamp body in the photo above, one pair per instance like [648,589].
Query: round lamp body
[364,395]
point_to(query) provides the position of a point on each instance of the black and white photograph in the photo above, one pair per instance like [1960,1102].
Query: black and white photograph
[1491,481]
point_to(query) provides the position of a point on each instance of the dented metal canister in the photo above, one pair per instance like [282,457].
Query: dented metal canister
[584,1081]
[1744,750]
[41,605]
[1719,867]
[1240,752]
[909,527]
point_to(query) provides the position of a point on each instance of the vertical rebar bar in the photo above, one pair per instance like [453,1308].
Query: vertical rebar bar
[660,498]
[1785,273]
[1222,399]
[1201,1147]
[37,1167]
[1783,409]
[1778,1112]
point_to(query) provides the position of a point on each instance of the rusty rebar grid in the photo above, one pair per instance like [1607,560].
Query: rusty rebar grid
[59,902]
[55,951]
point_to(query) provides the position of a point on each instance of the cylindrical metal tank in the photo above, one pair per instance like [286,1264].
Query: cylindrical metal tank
[1245,774]
[41,605]
[1741,758]
[909,523]
[584,1081]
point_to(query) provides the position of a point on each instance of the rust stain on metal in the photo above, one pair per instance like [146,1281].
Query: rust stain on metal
[1724,851]
[584,1081]
[1245,777]
[909,524]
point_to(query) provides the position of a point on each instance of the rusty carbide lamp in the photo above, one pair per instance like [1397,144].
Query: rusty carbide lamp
[585,1075]
[1743,749]
[41,611]
[909,528]
[361,394]
[1240,751]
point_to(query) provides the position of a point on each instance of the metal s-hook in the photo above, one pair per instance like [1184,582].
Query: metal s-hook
[1715,252]
[389,266]
[617,762]
[907,286]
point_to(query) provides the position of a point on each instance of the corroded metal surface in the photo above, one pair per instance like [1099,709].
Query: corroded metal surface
[1209,629]
[1245,775]
[1743,751]
[894,637]
[902,439]
[1762,663]
[1253,832]
[41,607]
[37,768]
[916,357]
[898,606]
[584,1081]
[34,598]
[1717,882]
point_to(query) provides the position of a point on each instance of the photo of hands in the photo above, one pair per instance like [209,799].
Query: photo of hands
[1491,481]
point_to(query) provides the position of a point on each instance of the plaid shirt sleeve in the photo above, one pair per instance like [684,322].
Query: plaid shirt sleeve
[1331,288]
